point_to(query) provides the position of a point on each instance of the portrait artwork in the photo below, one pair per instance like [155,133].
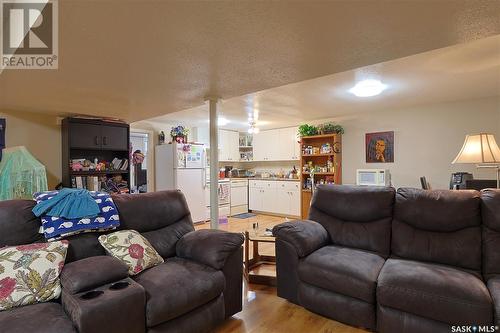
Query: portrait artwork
[380,147]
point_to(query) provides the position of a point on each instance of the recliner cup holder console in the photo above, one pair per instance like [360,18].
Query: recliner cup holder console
[92,294]
[96,293]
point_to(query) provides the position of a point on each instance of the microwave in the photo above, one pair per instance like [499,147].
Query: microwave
[373,177]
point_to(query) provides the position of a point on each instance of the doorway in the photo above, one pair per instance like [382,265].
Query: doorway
[139,158]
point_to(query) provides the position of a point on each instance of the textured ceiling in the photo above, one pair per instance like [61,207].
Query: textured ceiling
[138,59]
[461,72]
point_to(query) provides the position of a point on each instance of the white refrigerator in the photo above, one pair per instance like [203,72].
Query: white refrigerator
[182,167]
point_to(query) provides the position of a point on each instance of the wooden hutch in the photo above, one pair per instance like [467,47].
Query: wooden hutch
[321,163]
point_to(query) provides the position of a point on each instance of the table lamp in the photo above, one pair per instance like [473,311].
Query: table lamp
[480,149]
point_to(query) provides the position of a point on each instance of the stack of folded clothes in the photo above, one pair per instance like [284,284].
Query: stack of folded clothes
[69,212]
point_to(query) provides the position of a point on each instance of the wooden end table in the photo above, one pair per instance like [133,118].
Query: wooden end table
[257,260]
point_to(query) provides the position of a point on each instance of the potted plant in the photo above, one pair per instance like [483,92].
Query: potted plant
[179,134]
[330,128]
[307,130]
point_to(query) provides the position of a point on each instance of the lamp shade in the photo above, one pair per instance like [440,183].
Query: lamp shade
[479,148]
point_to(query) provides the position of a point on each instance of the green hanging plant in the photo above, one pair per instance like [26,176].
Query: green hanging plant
[307,130]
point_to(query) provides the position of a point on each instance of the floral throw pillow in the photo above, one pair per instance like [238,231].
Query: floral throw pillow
[132,249]
[30,273]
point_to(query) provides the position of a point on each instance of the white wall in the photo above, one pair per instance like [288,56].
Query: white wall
[427,139]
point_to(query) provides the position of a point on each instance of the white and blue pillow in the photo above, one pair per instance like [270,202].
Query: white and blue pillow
[55,227]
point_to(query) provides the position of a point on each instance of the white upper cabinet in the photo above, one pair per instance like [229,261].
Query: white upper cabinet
[229,146]
[259,146]
[265,146]
[224,146]
[296,144]
[234,145]
[276,145]
[272,145]
[288,146]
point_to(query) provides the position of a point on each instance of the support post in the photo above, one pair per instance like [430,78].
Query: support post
[214,163]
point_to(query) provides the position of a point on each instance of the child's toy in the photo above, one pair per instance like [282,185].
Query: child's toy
[77,166]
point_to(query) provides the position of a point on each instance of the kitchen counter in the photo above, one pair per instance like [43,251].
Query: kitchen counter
[268,179]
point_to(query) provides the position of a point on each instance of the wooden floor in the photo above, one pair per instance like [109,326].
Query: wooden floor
[263,311]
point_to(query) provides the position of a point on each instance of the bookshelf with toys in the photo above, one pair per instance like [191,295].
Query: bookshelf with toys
[321,163]
[95,155]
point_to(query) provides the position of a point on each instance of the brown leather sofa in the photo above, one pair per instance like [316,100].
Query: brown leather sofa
[490,210]
[198,286]
[405,261]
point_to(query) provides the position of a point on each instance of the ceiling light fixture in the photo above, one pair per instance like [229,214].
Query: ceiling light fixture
[253,129]
[368,88]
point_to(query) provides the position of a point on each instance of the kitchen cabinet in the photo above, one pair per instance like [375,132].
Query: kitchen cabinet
[229,146]
[276,145]
[259,147]
[255,198]
[262,195]
[294,131]
[295,202]
[288,198]
[277,197]
[288,145]
[269,197]
[265,146]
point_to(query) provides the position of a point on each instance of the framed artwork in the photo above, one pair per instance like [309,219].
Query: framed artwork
[380,147]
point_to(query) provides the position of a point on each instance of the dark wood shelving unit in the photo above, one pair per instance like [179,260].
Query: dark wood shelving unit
[98,173]
[90,139]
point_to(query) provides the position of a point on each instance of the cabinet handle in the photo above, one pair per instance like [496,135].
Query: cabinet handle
[104,141]
[96,140]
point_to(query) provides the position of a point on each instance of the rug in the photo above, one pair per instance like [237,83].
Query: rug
[244,215]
